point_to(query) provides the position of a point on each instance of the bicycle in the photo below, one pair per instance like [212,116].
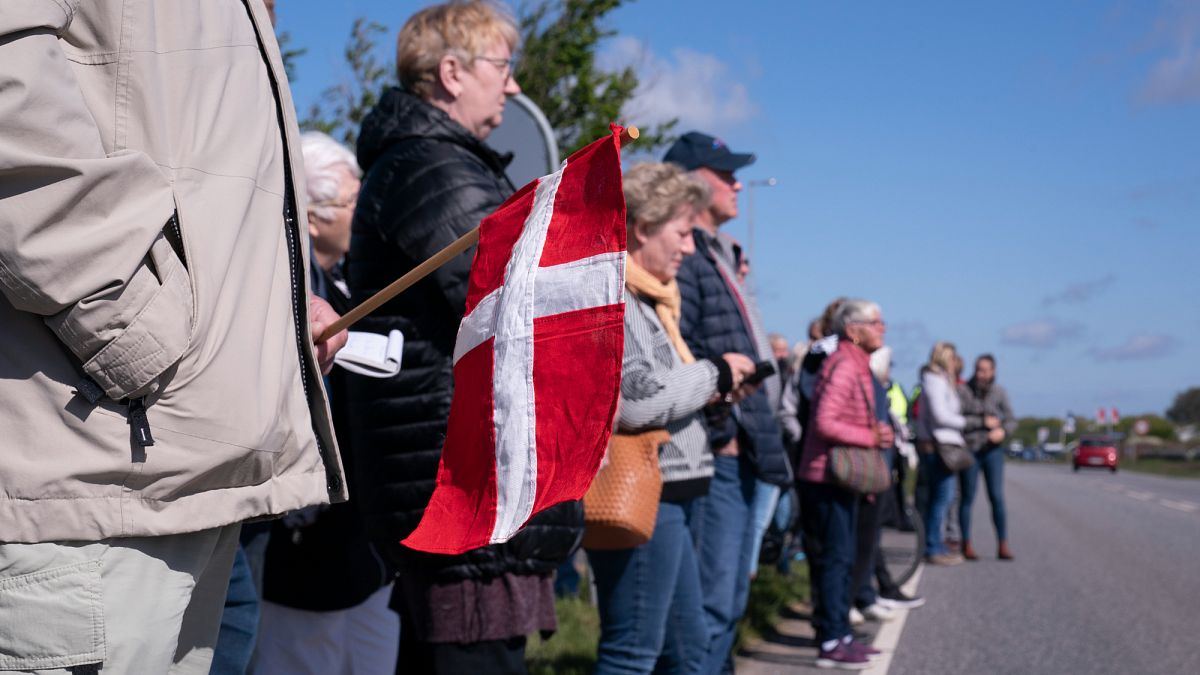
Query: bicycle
[902,550]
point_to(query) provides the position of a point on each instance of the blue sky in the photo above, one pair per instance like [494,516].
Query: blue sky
[1019,178]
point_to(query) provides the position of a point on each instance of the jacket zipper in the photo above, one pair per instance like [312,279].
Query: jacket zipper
[333,482]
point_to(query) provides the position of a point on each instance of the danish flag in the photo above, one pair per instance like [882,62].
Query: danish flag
[537,362]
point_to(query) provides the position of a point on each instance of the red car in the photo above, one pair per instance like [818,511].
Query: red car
[1098,452]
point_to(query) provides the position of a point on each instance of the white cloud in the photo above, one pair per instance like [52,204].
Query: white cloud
[1081,292]
[697,88]
[1039,333]
[1137,347]
[1175,77]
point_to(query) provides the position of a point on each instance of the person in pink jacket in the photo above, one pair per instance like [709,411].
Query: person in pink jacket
[843,414]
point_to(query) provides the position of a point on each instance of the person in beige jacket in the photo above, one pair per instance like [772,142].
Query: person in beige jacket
[158,378]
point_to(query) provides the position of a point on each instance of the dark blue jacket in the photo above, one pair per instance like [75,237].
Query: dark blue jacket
[712,325]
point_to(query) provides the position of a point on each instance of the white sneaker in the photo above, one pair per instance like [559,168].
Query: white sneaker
[878,612]
[856,617]
[901,601]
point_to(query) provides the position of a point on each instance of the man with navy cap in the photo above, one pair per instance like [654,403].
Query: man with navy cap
[719,316]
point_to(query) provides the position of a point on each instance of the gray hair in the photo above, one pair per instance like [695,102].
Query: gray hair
[323,156]
[852,311]
[654,193]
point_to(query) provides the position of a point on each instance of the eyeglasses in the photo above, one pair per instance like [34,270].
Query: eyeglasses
[873,322]
[506,66]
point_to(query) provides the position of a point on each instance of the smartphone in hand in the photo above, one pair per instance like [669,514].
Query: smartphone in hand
[762,370]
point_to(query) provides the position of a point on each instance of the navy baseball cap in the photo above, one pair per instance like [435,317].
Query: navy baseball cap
[694,150]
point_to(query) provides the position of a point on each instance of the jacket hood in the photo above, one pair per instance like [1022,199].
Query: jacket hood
[400,115]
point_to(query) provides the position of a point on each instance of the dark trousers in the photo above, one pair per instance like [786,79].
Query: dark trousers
[498,657]
[828,515]
[866,548]
[887,506]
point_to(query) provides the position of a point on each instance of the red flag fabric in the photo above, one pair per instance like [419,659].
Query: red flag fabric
[537,362]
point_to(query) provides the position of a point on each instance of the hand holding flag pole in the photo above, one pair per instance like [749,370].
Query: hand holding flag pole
[426,268]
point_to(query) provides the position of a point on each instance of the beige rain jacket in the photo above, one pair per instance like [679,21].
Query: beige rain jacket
[148,153]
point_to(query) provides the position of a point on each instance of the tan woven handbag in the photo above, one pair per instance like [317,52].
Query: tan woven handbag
[620,508]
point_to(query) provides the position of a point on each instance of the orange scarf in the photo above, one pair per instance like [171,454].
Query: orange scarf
[667,303]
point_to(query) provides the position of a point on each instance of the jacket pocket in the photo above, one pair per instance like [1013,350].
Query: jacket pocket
[52,618]
[129,337]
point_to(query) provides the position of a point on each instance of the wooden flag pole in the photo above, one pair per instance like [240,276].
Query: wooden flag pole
[426,268]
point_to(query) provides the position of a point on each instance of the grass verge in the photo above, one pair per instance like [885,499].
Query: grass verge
[1175,468]
[572,650]
[770,592]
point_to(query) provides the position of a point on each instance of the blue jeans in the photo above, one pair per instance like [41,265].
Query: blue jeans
[650,602]
[239,621]
[723,529]
[941,491]
[766,498]
[234,651]
[828,515]
[991,461]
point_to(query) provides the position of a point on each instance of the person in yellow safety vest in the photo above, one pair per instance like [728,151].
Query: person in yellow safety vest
[898,402]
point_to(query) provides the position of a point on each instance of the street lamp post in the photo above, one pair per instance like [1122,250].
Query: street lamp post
[750,185]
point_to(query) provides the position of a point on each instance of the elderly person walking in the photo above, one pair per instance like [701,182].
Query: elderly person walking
[430,178]
[644,590]
[939,423]
[843,413]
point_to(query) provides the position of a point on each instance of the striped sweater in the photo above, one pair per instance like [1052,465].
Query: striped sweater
[659,391]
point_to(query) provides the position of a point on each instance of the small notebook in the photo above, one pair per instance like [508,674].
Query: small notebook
[372,354]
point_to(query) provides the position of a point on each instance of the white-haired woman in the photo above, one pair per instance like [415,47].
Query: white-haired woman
[650,600]
[331,179]
[843,413]
[325,591]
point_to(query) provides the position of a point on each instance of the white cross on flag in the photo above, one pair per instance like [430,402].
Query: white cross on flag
[537,363]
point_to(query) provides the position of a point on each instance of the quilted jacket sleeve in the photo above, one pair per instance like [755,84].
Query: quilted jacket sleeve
[81,239]
[842,413]
[447,198]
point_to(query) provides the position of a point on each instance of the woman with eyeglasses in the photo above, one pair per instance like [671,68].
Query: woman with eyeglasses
[429,179]
[843,413]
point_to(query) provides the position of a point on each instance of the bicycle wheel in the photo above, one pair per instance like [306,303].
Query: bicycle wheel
[903,549]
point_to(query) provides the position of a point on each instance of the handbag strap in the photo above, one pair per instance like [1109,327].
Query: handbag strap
[869,398]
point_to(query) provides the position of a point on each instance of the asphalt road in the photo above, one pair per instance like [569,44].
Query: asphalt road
[1106,580]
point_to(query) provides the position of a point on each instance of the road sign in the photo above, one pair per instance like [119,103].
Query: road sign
[1100,415]
[1043,433]
[1141,427]
[1116,419]
[1068,426]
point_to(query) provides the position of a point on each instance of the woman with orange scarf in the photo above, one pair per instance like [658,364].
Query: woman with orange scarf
[645,589]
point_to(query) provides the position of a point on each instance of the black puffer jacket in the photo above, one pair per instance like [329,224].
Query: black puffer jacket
[428,182]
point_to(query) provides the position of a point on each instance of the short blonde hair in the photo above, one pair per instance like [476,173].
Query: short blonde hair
[464,28]
[654,193]
[943,358]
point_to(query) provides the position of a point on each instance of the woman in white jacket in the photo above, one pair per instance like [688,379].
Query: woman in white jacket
[939,422]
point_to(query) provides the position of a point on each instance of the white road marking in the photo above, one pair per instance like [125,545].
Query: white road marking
[888,636]
[1186,507]
[1140,496]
